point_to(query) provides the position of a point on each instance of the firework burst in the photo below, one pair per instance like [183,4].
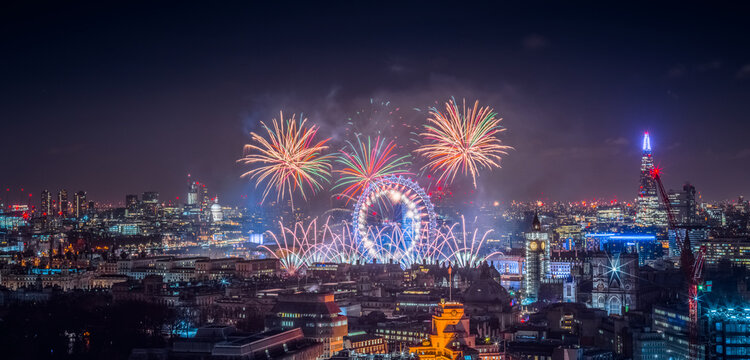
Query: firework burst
[289,158]
[462,140]
[300,246]
[366,162]
[462,251]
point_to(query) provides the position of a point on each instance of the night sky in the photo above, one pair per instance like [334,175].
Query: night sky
[131,97]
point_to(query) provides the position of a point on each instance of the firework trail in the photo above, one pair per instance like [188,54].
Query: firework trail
[462,140]
[289,158]
[366,162]
[462,251]
[300,246]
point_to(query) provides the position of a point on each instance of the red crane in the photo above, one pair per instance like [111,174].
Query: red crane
[692,266]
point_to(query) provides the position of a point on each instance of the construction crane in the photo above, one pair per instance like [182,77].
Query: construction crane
[691,264]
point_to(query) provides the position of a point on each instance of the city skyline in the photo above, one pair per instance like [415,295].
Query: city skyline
[138,110]
[23,195]
[374,181]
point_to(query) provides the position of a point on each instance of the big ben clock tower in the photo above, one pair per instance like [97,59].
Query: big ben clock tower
[537,264]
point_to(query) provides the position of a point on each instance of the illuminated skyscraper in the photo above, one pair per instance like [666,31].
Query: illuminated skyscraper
[150,201]
[683,205]
[46,205]
[81,206]
[131,202]
[62,202]
[205,199]
[537,260]
[192,196]
[648,209]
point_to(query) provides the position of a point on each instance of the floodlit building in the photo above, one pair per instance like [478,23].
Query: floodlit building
[81,206]
[449,338]
[217,214]
[537,260]
[615,282]
[46,205]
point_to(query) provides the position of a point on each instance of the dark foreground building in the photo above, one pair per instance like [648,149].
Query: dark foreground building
[224,343]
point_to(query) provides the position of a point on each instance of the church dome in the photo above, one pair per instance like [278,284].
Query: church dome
[217,213]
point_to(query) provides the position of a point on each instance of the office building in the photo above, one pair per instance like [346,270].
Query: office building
[150,201]
[62,202]
[46,203]
[316,314]
[683,206]
[131,202]
[728,333]
[80,204]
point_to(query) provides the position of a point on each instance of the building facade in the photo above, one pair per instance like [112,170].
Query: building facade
[316,314]
[614,282]
[536,260]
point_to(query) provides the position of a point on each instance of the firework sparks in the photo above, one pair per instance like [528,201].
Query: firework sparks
[367,162]
[462,140]
[300,246]
[465,252]
[290,158]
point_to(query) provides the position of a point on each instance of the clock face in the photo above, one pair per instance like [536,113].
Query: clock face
[542,245]
[454,312]
[533,245]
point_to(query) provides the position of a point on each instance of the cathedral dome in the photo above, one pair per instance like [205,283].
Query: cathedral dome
[217,214]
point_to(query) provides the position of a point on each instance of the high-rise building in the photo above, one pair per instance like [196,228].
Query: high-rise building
[62,202]
[672,320]
[81,206]
[131,202]
[150,201]
[537,260]
[683,205]
[192,195]
[46,205]
[648,209]
[205,199]
[728,333]
[150,197]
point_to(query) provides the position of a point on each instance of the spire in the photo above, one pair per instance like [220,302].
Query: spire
[536,225]
[646,143]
